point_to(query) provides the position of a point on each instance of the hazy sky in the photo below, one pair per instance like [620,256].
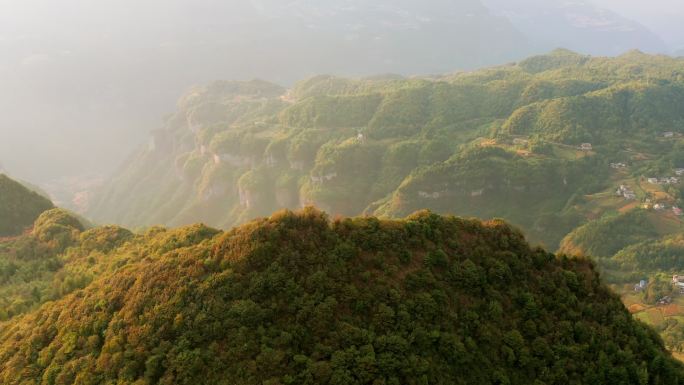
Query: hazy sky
[664,17]
[644,7]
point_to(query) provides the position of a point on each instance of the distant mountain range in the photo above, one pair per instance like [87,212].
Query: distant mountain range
[101,73]
[389,146]
[576,25]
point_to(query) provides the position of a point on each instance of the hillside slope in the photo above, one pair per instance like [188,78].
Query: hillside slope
[31,265]
[19,206]
[500,142]
[295,298]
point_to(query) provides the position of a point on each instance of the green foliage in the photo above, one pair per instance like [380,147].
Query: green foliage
[104,238]
[352,167]
[29,262]
[492,182]
[664,254]
[557,59]
[636,108]
[298,299]
[19,206]
[399,145]
[608,235]
[332,111]
[57,227]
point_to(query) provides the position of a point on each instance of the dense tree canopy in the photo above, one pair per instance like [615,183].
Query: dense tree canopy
[299,299]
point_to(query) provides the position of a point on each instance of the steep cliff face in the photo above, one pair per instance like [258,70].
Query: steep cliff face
[196,159]
[297,298]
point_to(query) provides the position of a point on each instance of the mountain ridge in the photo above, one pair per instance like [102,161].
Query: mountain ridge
[352,146]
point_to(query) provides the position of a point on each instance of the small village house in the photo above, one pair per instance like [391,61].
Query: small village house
[428,195]
[678,282]
[641,286]
[664,180]
[625,192]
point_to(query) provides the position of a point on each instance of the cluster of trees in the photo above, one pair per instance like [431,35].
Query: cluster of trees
[661,254]
[537,193]
[604,237]
[638,109]
[299,299]
[629,247]
[29,263]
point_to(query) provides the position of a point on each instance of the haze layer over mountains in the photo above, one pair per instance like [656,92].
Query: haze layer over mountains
[84,83]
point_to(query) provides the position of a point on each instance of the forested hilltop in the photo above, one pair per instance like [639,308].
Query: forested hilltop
[299,299]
